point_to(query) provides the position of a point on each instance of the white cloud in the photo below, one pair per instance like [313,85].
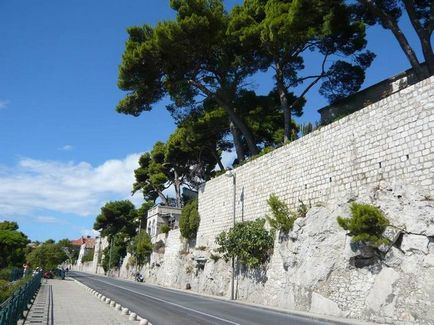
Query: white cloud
[66,147]
[47,219]
[77,188]
[228,158]
[4,103]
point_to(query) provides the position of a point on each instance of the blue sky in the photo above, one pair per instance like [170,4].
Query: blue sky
[64,151]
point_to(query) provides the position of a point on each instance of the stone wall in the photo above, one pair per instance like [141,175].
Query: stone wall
[390,140]
[368,96]
[382,155]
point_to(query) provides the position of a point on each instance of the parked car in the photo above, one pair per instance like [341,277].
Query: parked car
[48,275]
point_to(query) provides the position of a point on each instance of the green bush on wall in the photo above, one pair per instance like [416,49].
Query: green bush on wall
[189,220]
[164,229]
[367,224]
[249,241]
[282,218]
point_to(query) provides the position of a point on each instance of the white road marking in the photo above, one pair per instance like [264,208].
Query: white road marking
[168,302]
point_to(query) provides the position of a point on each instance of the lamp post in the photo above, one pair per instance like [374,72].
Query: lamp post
[230,173]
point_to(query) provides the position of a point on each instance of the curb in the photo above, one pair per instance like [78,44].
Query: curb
[133,317]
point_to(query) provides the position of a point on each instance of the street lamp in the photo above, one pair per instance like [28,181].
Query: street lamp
[230,173]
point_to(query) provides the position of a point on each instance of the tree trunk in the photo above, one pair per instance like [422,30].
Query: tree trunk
[424,35]
[162,197]
[283,103]
[237,142]
[428,55]
[238,122]
[400,37]
[177,184]
[217,158]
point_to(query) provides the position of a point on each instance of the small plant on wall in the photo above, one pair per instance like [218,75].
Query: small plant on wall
[366,225]
[189,220]
[248,241]
[164,229]
[282,218]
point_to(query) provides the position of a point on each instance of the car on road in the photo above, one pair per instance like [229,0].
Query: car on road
[48,275]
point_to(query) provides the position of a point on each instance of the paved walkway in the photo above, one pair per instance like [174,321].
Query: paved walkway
[70,303]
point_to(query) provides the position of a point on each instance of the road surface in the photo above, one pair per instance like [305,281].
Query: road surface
[162,306]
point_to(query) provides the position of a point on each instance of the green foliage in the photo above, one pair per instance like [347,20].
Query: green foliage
[164,229]
[196,145]
[47,256]
[214,257]
[114,253]
[140,248]
[367,224]
[249,241]
[281,33]
[12,245]
[117,217]
[282,218]
[8,288]
[159,247]
[189,220]
[191,55]
[88,255]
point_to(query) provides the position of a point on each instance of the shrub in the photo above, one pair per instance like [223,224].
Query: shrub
[8,288]
[214,257]
[140,248]
[165,229]
[114,253]
[249,241]
[189,220]
[282,219]
[159,247]
[88,255]
[367,224]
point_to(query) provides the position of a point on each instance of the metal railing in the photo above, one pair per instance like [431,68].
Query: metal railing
[16,274]
[12,309]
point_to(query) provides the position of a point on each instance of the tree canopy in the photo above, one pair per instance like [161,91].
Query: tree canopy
[117,217]
[12,244]
[283,31]
[46,256]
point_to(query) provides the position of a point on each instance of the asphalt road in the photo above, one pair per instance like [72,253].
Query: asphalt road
[162,306]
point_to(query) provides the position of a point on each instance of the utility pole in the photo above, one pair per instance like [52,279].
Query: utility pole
[234,185]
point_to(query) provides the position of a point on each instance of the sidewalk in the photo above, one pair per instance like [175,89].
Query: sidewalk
[64,302]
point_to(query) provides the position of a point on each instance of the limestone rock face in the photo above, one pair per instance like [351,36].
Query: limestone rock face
[311,271]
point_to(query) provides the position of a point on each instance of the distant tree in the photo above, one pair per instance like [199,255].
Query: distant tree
[141,248]
[71,251]
[115,252]
[283,31]
[88,255]
[12,245]
[47,256]
[189,220]
[117,217]
[387,13]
